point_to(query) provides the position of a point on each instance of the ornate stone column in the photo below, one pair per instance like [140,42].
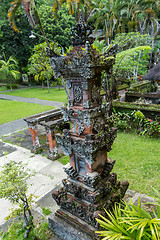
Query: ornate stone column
[34,133]
[90,187]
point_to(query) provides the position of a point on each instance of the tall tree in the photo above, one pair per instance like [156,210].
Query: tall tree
[59,28]
[17,44]
[108,14]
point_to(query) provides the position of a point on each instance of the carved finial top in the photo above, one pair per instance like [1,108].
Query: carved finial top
[80,33]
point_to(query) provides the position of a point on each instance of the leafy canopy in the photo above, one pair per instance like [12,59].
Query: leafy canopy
[13,181]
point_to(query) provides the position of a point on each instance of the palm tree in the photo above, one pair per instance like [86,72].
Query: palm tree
[8,69]
[26,4]
[27,8]
[143,13]
[108,14]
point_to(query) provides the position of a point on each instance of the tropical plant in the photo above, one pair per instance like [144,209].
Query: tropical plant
[13,187]
[17,44]
[26,4]
[109,15]
[131,62]
[132,39]
[59,28]
[39,65]
[148,22]
[8,70]
[135,121]
[130,222]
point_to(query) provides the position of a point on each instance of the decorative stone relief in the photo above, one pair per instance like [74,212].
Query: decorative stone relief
[70,171]
[85,85]
[98,124]
[86,104]
[68,84]
[77,94]
[95,93]
[70,103]
[88,73]
[86,119]
[81,127]
[65,143]
[65,115]
[91,179]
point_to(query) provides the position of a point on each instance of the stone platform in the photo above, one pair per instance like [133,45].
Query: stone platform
[69,227]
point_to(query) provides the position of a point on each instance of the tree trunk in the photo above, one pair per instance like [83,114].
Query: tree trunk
[48,84]
[42,85]
[11,86]
[28,218]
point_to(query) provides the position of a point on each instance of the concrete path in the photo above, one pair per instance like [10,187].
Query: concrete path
[48,174]
[11,127]
[31,100]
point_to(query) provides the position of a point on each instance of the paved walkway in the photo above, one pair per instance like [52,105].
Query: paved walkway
[48,174]
[10,127]
[31,100]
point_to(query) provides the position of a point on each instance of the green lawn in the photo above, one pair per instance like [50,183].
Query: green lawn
[54,95]
[12,110]
[137,161]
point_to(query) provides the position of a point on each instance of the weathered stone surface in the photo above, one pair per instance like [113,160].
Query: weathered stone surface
[71,230]
[90,186]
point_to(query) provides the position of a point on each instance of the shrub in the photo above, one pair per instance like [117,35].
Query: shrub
[14,86]
[129,221]
[17,231]
[135,121]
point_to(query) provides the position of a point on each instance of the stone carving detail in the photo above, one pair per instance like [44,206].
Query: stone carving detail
[68,84]
[88,73]
[86,104]
[89,186]
[65,115]
[86,119]
[80,127]
[91,179]
[98,124]
[70,103]
[71,172]
[77,94]
[80,33]
[85,85]
[65,143]
[94,93]
[104,195]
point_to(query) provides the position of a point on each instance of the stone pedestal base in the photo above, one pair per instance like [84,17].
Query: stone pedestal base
[69,227]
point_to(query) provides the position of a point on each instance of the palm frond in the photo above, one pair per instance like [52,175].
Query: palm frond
[26,4]
[12,13]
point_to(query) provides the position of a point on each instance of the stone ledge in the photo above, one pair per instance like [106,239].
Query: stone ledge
[72,230]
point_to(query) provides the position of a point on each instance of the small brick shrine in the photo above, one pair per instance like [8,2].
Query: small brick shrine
[90,187]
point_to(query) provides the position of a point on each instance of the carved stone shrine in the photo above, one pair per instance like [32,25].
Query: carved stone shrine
[90,186]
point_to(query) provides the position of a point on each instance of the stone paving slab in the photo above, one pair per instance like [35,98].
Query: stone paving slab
[44,180]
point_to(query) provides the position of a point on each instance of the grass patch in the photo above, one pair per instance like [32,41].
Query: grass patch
[16,231]
[138,161]
[12,110]
[55,94]
[46,211]
[3,88]
[64,160]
